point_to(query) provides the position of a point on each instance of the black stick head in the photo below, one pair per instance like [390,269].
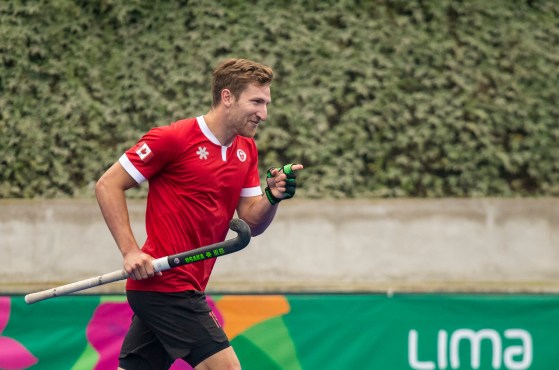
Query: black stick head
[242,230]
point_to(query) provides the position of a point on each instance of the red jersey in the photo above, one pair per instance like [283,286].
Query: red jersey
[194,186]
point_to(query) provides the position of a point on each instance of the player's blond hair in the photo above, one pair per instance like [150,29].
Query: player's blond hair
[236,75]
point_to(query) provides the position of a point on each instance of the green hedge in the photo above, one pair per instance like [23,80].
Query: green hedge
[377,98]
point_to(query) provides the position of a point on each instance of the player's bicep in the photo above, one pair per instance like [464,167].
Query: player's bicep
[117,177]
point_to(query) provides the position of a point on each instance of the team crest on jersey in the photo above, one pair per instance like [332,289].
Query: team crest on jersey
[241,155]
[202,152]
[144,151]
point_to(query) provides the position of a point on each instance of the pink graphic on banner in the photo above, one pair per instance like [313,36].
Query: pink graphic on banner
[13,355]
[106,332]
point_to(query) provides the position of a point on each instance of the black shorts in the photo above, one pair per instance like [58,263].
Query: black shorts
[167,326]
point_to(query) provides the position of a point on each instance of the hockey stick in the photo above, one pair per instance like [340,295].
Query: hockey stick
[160,264]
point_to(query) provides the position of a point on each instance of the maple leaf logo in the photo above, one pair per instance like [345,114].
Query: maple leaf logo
[144,152]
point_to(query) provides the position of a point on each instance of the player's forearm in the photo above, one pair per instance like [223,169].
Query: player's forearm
[258,214]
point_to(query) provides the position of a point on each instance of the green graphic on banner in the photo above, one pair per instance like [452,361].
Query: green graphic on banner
[53,330]
[270,341]
[304,332]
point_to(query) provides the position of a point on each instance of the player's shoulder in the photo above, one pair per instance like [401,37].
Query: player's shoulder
[183,124]
[171,134]
[180,125]
[177,130]
[245,141]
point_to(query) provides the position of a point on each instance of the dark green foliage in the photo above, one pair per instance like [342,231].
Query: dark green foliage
[377,98]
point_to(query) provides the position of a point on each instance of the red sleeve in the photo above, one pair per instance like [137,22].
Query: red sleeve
[152,152]
[251,186]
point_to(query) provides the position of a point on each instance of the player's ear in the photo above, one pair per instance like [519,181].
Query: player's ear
[226,97]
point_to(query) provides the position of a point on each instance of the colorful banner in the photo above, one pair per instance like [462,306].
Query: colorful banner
[304,331]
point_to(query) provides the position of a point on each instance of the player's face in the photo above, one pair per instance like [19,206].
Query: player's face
[250,109]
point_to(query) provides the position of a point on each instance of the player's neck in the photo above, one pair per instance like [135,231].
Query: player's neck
[221,131]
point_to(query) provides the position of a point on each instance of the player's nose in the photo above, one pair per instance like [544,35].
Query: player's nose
[262,114]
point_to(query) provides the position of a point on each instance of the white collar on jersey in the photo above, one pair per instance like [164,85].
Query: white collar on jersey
[206,131]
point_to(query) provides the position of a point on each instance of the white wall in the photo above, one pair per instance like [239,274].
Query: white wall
[349,245]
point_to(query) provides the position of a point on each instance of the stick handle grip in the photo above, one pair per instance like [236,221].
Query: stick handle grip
[77,286]
[159,264]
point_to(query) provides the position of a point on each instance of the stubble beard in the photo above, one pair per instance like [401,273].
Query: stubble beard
[246,128]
